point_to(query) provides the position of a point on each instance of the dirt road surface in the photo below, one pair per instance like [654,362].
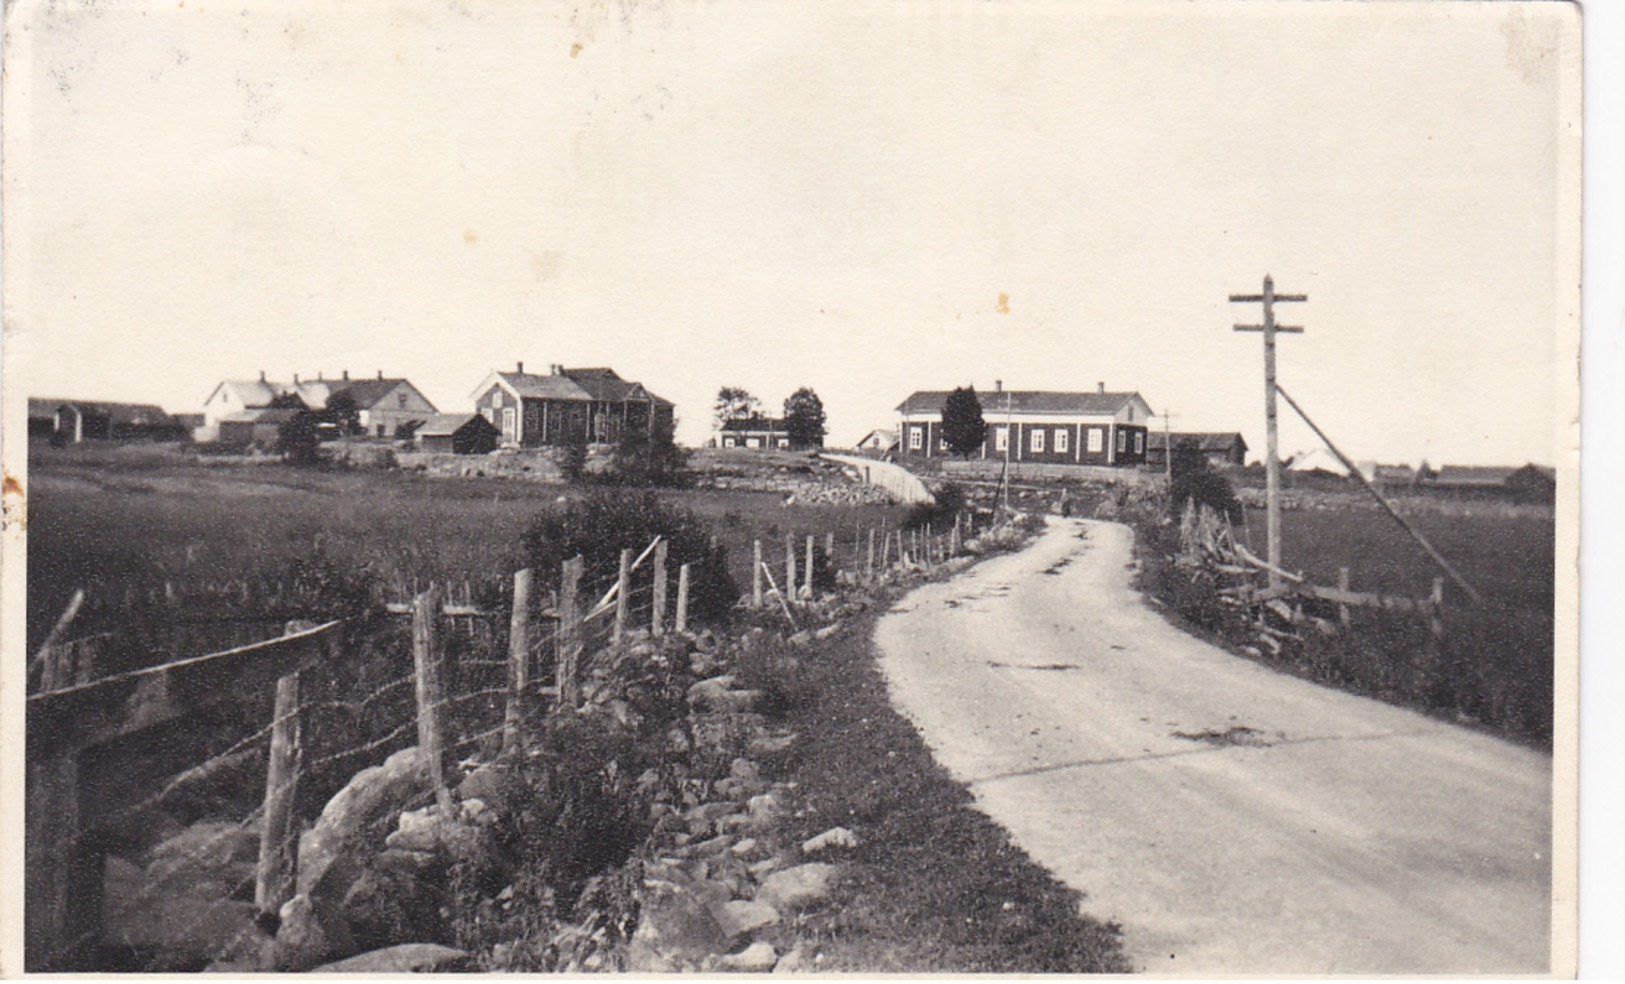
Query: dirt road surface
[1231,819]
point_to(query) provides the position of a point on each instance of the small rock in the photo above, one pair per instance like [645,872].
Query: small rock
[794,962]
[834,837]
[493,784]
[745,770]
[763,867]
[798,887]
[301,942]
[765,808]
[764,745]
[801,638]
[754,959]
[827,631]
[744,847]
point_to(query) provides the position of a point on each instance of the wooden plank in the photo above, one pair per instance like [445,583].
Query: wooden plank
[431,694]
[623,596]
[569,632]
[117,706]
[682,599]
[756,574]
[657,615]
[519,627]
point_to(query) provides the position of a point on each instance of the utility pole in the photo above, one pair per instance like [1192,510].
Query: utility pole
[1272,458]
[1009,435]
[1168,447]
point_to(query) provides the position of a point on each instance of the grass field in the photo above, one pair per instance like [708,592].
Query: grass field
[1496,667]
[104,518]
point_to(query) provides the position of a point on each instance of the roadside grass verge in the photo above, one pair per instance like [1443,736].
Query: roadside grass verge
[934,885]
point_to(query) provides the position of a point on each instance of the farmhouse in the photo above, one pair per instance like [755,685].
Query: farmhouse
[754,432]
[76,421]
[381,405]
[1218,449]
[1097,428]
[568,406]
[458,433]
[879,441]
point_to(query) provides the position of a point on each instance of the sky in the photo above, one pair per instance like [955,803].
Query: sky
[864,198]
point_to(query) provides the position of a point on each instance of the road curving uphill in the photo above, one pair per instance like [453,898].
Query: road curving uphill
[1231,819]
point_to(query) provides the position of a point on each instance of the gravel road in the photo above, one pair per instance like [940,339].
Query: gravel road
[1231,819]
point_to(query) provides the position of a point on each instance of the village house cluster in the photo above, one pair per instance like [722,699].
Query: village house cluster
[595,406]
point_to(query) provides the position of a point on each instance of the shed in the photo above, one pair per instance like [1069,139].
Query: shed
[458,433]
[260,427]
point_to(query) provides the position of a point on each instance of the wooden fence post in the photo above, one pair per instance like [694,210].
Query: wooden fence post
[808,589]
[519,631]
[657,620]
[62,882]
[790,566]
[569,632]
[623,596]
[682,599]
[1436,614]
[756,574]
[279,837]
[869,565]
[1343,586]
[829,547]
[431,694]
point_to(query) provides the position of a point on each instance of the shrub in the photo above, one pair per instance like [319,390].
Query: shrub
[606,522]
[1206,488]
[950,502]
[648,458]
[298,440]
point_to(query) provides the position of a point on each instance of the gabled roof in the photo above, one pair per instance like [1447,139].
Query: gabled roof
[446,424]
[1027,401]
[886,436]
[1472,475]
[598,384]
[1317,459]
[365,392]
[261,415]
[1209,441]
[769,424]
[126,414]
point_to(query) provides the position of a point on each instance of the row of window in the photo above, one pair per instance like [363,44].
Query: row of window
[1036,439]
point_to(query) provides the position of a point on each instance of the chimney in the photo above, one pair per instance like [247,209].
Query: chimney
[1100,387]
[262,375]
[346,375]
[319,376]
[521,368]
[380,374]
[296,379]
[998,386]
[558,368]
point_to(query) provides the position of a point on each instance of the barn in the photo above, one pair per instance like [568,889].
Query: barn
[458,433]
[1078,428]
[259,427]
[75,421]
[1218,449]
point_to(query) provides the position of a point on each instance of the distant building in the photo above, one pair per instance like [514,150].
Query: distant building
[75,421]
[567,406]
[382,404]
[1217,449]
[879,441]
[458,433]
[1084,428]
[754,432]
[1316,460]
[1530,483]
[260,426]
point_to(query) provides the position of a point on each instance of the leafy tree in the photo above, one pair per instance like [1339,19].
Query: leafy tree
[804,419]
[573,460]
[342,412]
[297,440]
[649,457]
[735,403]
[1205,488]
[962,424]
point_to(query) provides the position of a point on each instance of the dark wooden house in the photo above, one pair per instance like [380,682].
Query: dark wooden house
[767,433]
[1076,428]
[567,406]
[1216,449]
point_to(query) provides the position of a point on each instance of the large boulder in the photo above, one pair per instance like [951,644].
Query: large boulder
[327,851]
[403,958]
[798,887]
[175,923]
[675,929]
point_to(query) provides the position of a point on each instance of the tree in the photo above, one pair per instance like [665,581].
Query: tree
[297,439]
[804,419]
[962,424]
[649,457]
[735,403]
[342,412]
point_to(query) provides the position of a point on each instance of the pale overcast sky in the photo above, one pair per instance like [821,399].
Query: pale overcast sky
[865,198]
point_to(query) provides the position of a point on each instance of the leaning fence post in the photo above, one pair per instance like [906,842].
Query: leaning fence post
[1342,606]
[279,838]
[657,620]
[682,599]
[431,693]
[1436,615]
[623,593]
[519,625]
[756,574]
[790,566]
[569,633]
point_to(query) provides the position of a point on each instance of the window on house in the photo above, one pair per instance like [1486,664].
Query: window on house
[1060,441]
[784,442]
[1037,443]
[381,431]
[1139,442]
[1097,440]
[400,398]
[1001,438]
[916,438]
[1122,441]
[727,442]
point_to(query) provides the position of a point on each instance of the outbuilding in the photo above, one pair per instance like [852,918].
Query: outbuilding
[458,433]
